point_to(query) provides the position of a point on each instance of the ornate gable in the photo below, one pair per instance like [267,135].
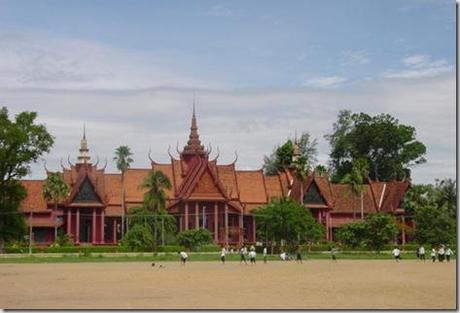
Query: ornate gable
[205,185]
[86,193]
[313,196]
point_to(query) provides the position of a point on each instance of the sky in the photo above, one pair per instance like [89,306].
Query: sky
[260,71]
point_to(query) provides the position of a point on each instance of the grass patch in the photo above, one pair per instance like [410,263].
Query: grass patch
[209,257]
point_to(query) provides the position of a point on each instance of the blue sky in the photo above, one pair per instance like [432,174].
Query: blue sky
[254,64]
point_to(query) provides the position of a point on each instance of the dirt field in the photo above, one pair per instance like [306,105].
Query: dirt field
[314,284]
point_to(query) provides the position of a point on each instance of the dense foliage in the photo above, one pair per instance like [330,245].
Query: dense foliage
[374,232]
[281,157]
[194,238]
[22,142]
[55,190]
[434,210]
[123,162]
[138,238]
[286,221]
[389,147]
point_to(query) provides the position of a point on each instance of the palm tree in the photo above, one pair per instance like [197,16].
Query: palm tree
[123,161]
[356,179]
[155,197]
[55,190]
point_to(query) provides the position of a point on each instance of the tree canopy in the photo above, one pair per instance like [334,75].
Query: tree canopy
[389,147]
[22,142]
[284,220]
[374,232]
[194,238]
[281,157]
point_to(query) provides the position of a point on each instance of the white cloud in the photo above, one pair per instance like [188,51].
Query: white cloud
[323,82]
[354,57]
[125,98]
[419,66]
[41,61]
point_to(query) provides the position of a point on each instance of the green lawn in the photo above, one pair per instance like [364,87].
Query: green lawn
[168,257]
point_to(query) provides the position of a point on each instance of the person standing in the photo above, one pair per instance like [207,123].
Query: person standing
[298,258]
[396,254]
[449,253]
[222,255]
[284,256]
[421,253]
[334,254]
[265,255]
[441,253]
[252,256]
[433,255]
[183,257]
[243,251]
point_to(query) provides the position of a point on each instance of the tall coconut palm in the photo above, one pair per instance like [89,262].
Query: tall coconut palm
[356,179]
[123,161]
[155,196]
[55,190]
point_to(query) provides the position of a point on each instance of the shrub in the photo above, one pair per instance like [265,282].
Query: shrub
[138,238]
[194,238]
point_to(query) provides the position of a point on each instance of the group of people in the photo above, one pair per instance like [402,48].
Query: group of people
[443,253]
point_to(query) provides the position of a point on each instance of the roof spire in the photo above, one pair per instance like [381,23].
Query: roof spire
[194,145]
[296,153]
[84,157]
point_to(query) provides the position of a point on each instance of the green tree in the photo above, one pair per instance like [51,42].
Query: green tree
[446,195]
[155,198]
[55,190]
[123,161]
[321,170]
[434,225]
[163,223]
[281,157]
[353,234]
[138,238]
[286,221]
[381,230]
[390,148]
[22,142]
[356,179]
[194,238]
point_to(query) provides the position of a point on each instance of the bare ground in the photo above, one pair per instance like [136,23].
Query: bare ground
[313,284]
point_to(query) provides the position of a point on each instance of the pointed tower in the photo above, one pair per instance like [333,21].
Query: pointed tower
[194,146]
[84,157]
[296,153]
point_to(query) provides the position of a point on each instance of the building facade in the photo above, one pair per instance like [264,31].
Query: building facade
[204,194]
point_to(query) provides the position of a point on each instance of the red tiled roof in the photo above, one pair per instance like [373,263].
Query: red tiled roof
[346,200]
[34,202]
[133,178]
[251,186]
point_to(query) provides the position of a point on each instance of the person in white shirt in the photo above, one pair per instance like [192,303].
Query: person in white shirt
[449,252]
[284,256]
[441,253]
[252,257]
[265,255]
[222,255]
[243,252]
[183,257]
[396,253]
[421,253]
[433,255]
